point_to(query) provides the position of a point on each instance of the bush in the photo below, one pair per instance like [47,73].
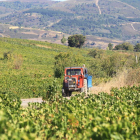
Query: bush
[124,46]
[133,77]
[104,65]
[63,60]
[52,90]
[137,47]
[7,55]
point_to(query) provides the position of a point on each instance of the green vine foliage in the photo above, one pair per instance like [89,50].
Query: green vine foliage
[103,116]
[6,100]
[52,90]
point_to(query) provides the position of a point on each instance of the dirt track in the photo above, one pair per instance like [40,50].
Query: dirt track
[94,90]
[31,100]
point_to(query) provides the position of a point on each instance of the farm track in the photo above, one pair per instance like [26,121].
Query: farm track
[2,35]
[31,100]
[39,100]
[132,25]
[97,1]
[127,5]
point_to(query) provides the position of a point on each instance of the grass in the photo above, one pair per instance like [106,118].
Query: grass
[127,77]
[117,81]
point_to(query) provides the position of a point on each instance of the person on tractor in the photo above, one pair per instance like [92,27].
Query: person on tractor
[85,69]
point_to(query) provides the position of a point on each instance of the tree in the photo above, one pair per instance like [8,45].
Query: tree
[63,60]
[63,40]
[76,41]
[110,46]
[96,53]
[137,47]
[124,46]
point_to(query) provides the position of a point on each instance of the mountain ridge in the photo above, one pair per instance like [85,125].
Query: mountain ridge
[113,19]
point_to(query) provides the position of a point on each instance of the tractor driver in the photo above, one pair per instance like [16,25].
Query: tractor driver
[85,69]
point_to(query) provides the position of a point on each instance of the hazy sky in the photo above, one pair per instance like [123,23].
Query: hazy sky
[52,0]
[59,0]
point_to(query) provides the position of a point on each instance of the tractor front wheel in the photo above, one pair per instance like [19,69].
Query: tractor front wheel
[66,93]
[85,86]
[70,93]
[82,90]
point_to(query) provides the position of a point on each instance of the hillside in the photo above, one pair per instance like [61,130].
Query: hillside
[6,30]
[28,67]
[111,19]
[134,3]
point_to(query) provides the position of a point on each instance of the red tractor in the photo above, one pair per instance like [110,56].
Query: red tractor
[76,79]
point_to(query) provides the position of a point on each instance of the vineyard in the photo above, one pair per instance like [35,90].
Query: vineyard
[100,117]
[30,69]
[27,67]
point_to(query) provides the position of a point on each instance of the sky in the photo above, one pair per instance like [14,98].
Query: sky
[53,0]
[59,0]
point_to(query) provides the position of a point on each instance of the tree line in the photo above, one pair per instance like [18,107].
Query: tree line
[129,19]
[17,5]
[78,41]
[50,13]
[125,46]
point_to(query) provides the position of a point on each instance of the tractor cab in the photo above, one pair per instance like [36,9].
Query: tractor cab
[73,71]
[75,79]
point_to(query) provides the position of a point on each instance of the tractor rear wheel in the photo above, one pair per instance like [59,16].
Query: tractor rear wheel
[85,86]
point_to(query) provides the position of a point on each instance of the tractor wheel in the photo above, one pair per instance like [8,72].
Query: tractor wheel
[82,90]
[89,89]
[67,93]
[70,93]
[85,86]
[63,93]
